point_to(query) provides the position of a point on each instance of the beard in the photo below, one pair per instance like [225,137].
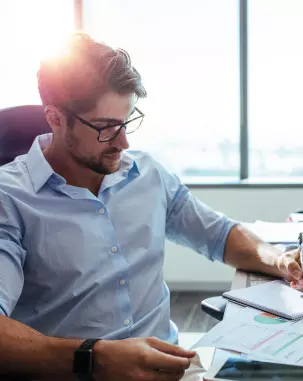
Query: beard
[102,164]
[105,163]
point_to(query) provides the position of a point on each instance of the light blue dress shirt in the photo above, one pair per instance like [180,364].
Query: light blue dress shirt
[76,265]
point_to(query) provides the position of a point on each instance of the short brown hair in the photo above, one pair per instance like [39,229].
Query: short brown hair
[87,69]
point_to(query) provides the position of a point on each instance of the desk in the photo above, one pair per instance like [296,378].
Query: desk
[241,280]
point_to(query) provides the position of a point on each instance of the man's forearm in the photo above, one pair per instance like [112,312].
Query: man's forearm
[245,251]
[26,352]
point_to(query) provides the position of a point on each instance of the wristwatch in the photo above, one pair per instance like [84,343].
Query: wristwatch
[83,360]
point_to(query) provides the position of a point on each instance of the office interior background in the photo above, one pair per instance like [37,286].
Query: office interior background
[225,94]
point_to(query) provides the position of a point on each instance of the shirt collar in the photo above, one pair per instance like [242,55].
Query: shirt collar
[40,171]
[128,168]
[38,167]
[128,162]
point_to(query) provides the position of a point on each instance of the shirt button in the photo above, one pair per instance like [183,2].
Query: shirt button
[126,322]
[114,249]
[101,211]
[122,282]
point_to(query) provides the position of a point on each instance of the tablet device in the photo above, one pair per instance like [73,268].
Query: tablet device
[241,369]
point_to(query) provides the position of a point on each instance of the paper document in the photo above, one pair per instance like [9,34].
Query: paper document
[255,279]
[276,232]
[258,334]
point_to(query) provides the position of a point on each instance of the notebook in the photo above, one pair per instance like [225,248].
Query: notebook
[275,297]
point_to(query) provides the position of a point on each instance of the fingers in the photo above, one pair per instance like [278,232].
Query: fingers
[294,269]
[167,376]
[171,349]
[289,264]
[167,356]
[167,362]
[297,284]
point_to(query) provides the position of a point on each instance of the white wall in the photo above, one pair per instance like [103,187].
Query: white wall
[186,270]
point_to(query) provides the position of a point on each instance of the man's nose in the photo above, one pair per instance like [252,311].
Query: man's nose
[120,140]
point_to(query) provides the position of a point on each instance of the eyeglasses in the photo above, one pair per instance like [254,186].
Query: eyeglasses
[108,129]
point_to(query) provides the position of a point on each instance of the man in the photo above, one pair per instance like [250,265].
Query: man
[82,231]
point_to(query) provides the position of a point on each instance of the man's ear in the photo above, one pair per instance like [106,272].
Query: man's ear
[54,117]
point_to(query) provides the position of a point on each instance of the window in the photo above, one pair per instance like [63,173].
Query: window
[29,29]
[209,116]
[275,98]
[187,53]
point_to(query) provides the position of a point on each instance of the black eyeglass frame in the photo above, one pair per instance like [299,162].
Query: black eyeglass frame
[100,129]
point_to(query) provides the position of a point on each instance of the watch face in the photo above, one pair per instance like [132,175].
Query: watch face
[83,361]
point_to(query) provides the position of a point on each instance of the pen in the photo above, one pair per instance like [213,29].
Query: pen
[300,247]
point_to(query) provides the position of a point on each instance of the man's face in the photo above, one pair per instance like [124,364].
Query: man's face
[82,141]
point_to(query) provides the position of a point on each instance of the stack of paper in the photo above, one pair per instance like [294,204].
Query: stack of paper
[258,335]
[276,232]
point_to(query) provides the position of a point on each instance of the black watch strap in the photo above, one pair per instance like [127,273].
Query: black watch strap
[83,360]
[89,343]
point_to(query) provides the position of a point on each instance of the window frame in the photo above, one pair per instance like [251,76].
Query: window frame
[244,180]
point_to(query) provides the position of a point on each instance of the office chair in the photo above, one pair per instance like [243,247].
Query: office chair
[214,306]
[19,126]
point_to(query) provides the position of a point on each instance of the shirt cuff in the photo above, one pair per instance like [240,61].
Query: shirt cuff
[221,241]
[2,310]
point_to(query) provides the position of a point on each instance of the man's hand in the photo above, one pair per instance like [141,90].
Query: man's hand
[144,359]
[247,252]
[290,266]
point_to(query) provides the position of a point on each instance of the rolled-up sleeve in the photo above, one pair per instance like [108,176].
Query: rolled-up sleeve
[193,224]
[12,257]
